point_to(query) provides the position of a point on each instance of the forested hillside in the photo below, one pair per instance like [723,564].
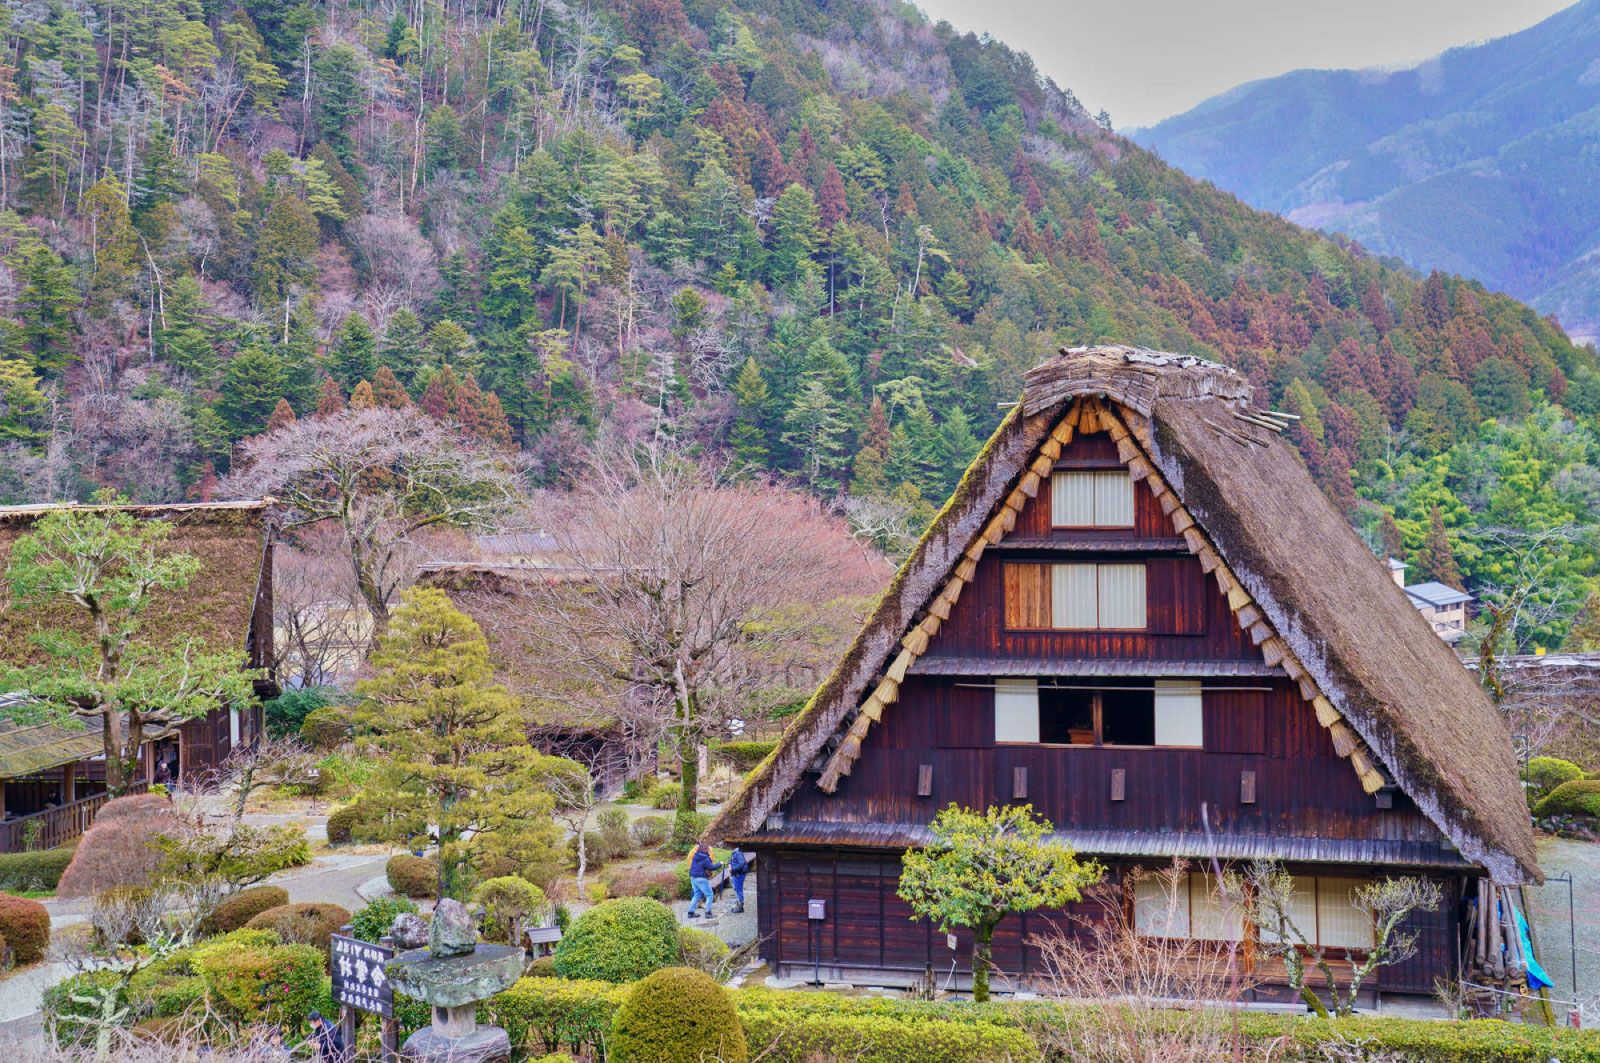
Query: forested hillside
[820,240]
[1480,161]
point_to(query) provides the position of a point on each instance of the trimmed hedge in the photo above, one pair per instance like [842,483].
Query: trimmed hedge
[302,924]
[795,1037]
[279,985]
[412,876]
[25,926]
[677,1015]
[619,941]
[237,911]
[36,870]
[1581,797]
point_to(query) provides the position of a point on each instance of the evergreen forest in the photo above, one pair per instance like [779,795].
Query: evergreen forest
[817,241]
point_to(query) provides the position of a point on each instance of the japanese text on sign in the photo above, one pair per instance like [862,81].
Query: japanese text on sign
[359,980]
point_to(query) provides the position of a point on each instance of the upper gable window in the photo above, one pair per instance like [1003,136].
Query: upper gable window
[1075,597]
[1091,499]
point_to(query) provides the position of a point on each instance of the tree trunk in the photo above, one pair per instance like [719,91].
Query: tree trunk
[688,773]
[981,949]
[116,777]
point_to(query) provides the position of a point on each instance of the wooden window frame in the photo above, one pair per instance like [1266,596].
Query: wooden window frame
[1098,708]
[1049,567]
[1095,471]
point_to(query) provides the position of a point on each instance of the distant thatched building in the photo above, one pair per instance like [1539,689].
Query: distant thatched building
[1139,615]
[52,776]
[495,595]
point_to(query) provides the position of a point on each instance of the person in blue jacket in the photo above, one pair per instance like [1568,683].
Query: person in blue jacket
[701,868]
[738,867]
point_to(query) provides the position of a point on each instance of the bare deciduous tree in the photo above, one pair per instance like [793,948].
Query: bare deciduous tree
[687,595]
[320,622]
[382,477]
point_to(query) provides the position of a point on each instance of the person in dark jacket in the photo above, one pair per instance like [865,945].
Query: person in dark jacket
[327,1039]
[738,867]
[701,868]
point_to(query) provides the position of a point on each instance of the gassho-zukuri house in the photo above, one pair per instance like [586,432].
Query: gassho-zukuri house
[1138,614]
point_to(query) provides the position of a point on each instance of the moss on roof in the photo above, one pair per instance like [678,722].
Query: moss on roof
[216,606]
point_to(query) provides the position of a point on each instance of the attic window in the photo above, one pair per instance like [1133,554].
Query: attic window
[1091,499]
[1075,597]
[1101,713]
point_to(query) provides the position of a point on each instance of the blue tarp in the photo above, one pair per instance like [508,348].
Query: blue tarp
[1537,978]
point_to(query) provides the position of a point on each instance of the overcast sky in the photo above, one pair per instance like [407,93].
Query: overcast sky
[1144,60]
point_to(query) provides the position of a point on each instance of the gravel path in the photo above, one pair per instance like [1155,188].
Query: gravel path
[1547,914]
[734,929]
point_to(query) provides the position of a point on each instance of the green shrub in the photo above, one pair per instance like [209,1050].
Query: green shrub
[649,832]
[665,794]
[36,870]
[745,755]
[797,1037]
[619,941]
[677,1015]
[541,967]
[302,924]
[377,918]
[613,823]
[555,1013]
[345,823]
[686,830]
[1547,773]
[286,713]
[1581,797]
[594,851]
[510,903]
[242,907]
[656,883]
[412,876]
[634,789]
[278,985]
[326,728]
[65,1015]
[25,925]
[702,950]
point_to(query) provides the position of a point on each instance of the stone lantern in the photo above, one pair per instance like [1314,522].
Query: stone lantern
[451,974]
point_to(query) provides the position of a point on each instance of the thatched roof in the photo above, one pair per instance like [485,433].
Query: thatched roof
[29,748]
[229,538]
[496,597]
[1395,699]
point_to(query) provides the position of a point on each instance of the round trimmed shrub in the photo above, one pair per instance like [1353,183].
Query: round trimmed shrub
[120,850]
[25,925]
[238,910]
[1547,773]
[278,985]
[377,918]
[614,835]
[595,851]
[509,903]
[619,940]
[650,831]
[325,729]
[345,822]
[1581,797]
[302,924]
[412,876]
[702,950]
[677,1015]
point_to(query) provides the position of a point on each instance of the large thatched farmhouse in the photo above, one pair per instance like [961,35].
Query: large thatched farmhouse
[1138,615]
[52,777]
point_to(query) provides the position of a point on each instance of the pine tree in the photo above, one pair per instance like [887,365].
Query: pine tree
[794,235]
[1394,544]
[439,397]
[458,299]
[405,347]
[44,308]
[512,264]
[339,98]
[956,447]
[362,398]
[444,140]
[387,392]
[816,433]
[286,256]
[1437,560]
[354,353]
[331,400]
[252,390]
[749,435]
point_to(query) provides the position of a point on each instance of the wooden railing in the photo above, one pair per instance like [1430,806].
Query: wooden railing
[55,825]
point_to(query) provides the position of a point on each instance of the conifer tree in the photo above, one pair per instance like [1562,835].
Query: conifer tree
[44,309]
[386,390]
[1437,559]
[282,416]
[339,98]
[749,435]
[956,446]
[794,235]
[1394,544]
[354,353]
[405,347]
[832,207]
[439,397]
[331,400]
[362,398]
[816,433]
[453,755]
[252,389]
[286,256]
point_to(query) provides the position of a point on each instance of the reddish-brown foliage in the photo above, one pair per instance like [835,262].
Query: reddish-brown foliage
[118,850]
[25,926]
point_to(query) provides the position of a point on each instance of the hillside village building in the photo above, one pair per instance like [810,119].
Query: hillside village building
[1441,605]
[52,776]
[1138,615]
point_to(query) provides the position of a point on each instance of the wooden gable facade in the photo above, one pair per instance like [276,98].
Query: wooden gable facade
[1086,649]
